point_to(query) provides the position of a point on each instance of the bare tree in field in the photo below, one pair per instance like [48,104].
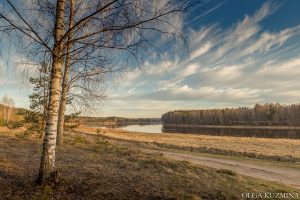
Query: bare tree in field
[47,167]
[103,33]
[78,75]
[25,26]
[64,89]
[9,104]
[114,32]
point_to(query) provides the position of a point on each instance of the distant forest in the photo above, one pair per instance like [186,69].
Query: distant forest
[119,120]
[267,114]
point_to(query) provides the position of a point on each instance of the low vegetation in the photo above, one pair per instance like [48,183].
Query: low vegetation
[92,168]
[260,148]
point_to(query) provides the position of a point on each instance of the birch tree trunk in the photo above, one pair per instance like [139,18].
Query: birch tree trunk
[8,115]
[47,170]
[65,88]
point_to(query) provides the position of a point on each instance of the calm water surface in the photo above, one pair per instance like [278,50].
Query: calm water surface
[237,132]
[151,128]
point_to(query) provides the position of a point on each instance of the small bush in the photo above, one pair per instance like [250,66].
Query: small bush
[100,140]
[2,122]
[23,135]
[226,171]
[79,139]
[15,125]
[99,131]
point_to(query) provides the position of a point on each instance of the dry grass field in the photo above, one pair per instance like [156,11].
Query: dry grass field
[92,167]
[264,148]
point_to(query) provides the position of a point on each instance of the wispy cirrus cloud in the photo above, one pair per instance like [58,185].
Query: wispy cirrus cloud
[238,65]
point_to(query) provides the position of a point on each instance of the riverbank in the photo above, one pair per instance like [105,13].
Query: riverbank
[92,167]
[260,148]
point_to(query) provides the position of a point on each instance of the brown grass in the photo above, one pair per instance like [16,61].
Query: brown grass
[263,148]
[93,168]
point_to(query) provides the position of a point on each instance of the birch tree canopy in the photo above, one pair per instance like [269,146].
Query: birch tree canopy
[103,36]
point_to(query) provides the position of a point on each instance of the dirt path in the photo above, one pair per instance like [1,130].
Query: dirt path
[286,176]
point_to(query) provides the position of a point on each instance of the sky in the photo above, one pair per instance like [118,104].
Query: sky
[237,53]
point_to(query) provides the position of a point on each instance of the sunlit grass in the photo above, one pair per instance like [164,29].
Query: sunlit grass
[265,148]
[91,167]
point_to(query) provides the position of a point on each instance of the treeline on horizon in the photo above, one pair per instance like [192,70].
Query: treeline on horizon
[118,120]
[266,114]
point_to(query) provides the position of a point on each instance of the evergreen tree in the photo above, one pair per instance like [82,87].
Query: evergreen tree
[36,117]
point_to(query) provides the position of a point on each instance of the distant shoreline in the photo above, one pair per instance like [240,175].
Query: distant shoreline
[121,123]
[269,127]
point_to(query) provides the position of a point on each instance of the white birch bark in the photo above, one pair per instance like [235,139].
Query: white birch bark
[47,170]
[65,88]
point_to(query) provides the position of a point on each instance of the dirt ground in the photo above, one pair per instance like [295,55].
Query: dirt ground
[92,167]
[264,170]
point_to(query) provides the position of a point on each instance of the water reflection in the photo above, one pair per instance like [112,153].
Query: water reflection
[239,132]
[287,132]
[150,128]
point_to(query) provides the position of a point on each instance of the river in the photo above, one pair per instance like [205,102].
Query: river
[261,132]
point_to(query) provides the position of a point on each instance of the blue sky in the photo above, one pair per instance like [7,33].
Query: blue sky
[239,53]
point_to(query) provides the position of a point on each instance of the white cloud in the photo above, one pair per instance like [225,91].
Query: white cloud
[201,50]
[240,65]
[227,72]
[189,70]
[268,40]
[284,69]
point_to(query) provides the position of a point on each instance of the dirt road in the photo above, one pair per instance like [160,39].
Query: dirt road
[262,169]
[282,175]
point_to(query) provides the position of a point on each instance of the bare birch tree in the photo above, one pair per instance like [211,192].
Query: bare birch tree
[111,34]
[64,89]
[9,104]
[103,35]
[47,167]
